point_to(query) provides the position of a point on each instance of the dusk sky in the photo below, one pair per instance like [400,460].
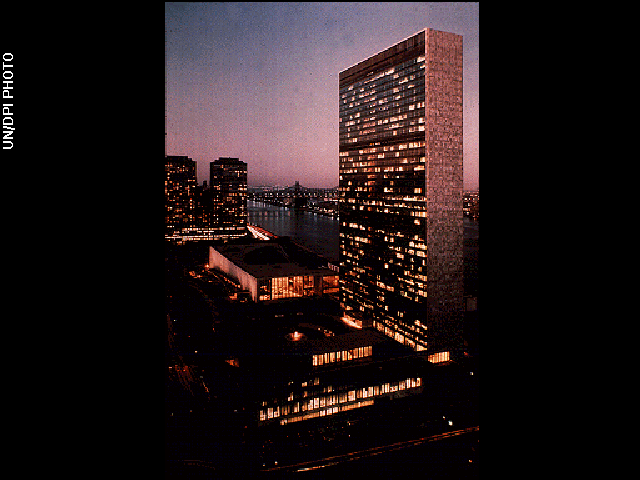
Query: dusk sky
[259,81]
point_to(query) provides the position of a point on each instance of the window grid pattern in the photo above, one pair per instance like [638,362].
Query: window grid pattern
[289,287]
[400,189]
[341,356]
[331,400]
[179,189]
[382,190]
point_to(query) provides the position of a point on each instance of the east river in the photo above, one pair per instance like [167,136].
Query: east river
[319,233]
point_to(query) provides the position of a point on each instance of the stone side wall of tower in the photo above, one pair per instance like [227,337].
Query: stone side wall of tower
[444,182]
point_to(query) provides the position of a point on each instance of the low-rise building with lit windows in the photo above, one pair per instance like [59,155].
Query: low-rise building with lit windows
[329,401]
[307,374]
[332,391]
[274,270]
[344,349]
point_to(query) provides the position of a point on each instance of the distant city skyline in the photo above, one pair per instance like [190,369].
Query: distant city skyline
[259,81]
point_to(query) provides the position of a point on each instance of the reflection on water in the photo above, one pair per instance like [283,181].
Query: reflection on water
[318,233]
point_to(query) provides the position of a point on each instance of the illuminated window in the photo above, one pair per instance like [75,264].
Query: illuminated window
[330,284]
[439,357]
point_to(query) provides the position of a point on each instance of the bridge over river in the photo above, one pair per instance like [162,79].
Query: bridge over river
[296,196]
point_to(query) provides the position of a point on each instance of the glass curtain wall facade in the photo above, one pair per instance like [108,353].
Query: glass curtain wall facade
[289,287]
[400,186]
[277,288]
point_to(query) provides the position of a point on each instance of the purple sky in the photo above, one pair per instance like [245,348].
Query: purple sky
[259,81]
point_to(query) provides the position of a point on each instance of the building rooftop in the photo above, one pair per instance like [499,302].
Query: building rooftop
[366,63]
[360,338]
[278,257]
[277,349]
[397,43]
[384,49]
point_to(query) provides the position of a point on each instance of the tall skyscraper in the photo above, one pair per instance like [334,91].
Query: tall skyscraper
[401,230]
[228,189]
[179,188]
